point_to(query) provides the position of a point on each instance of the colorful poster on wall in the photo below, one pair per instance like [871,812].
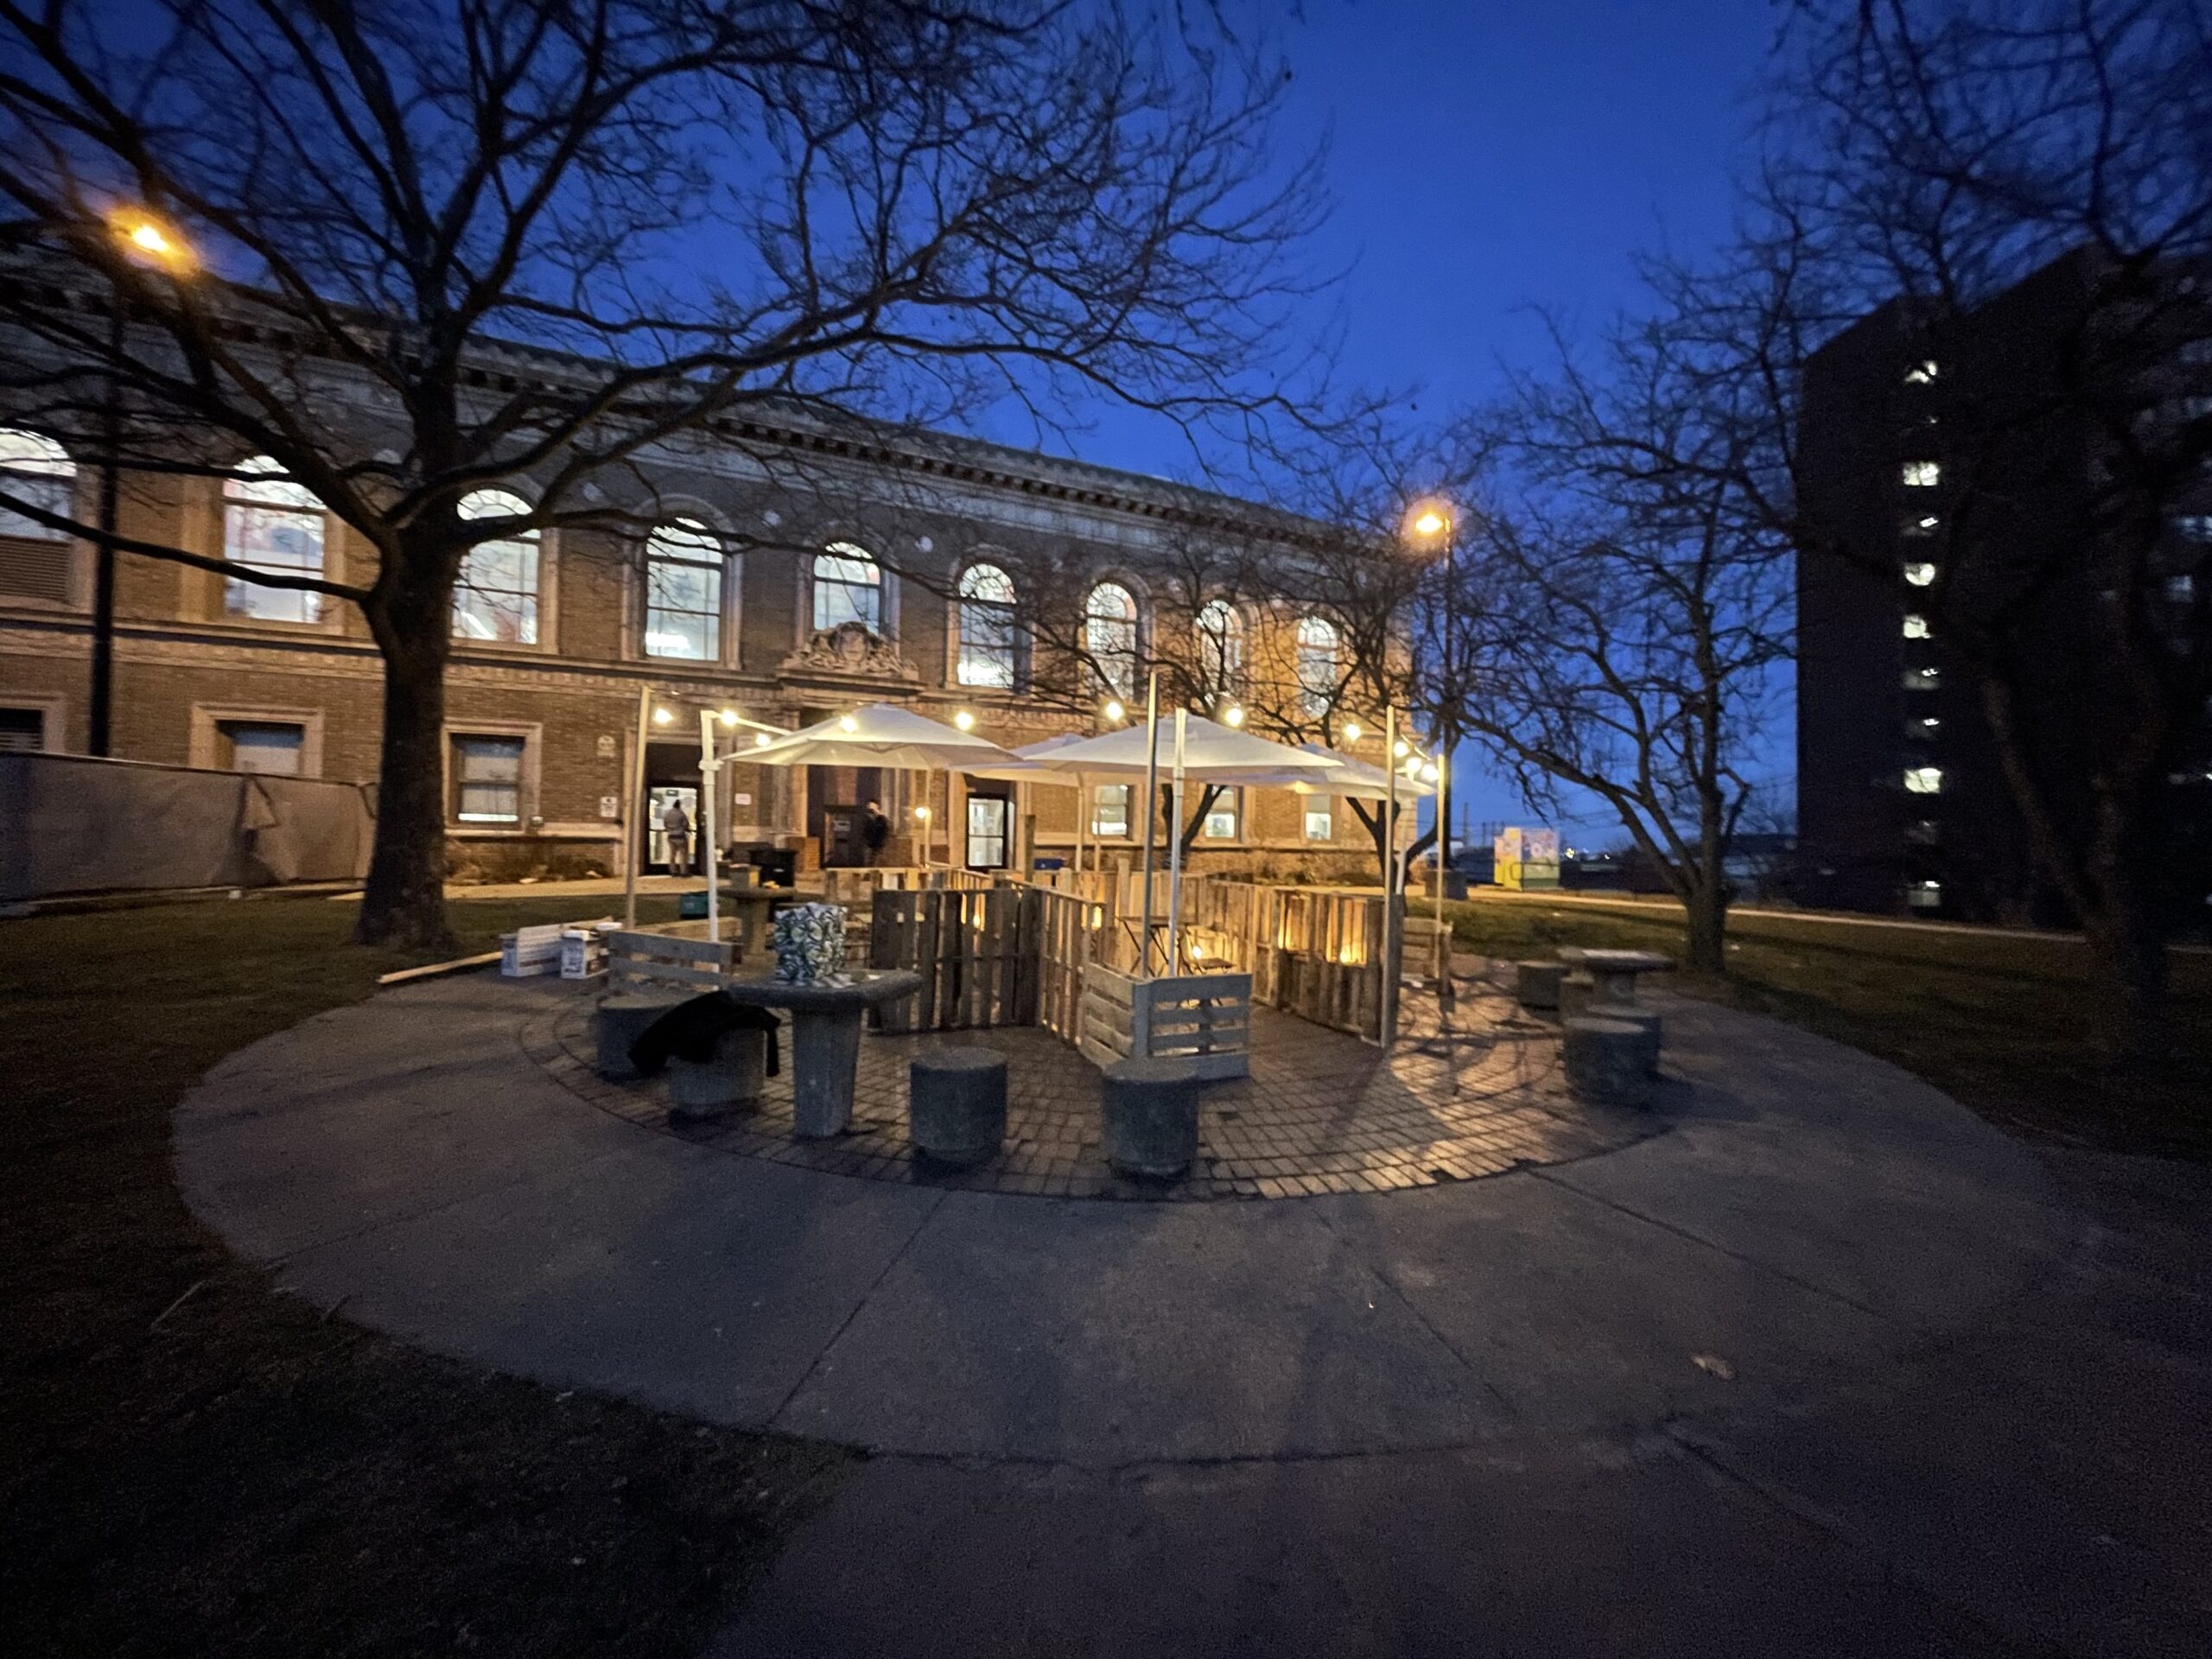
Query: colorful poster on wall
[1521,859]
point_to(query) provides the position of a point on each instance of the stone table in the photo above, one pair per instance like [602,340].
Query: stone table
[1615,971]
[825,1038]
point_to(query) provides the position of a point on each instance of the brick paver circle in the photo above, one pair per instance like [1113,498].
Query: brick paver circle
[1322,1111]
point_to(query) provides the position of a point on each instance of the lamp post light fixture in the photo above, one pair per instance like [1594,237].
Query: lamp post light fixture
[1113,711]
[663,716]
[964,721]
[1233,716]
[1351,731]
[729,717]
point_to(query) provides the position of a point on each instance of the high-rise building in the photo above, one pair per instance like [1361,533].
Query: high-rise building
[1962,475]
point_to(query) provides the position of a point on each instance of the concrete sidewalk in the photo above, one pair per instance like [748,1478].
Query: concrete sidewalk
[1828,1367]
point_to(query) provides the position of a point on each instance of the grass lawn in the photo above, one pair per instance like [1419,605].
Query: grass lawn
[2007,1024]
[193,1463]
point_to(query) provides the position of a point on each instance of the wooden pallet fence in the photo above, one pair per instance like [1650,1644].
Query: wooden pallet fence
[977,950]
[1068,925]
[638,961]
[1204,1019]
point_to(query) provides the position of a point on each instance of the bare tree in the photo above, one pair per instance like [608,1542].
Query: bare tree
[443,246]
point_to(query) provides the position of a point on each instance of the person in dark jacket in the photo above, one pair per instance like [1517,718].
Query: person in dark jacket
[875,830]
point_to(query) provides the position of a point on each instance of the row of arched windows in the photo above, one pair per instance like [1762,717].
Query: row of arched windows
[272,523]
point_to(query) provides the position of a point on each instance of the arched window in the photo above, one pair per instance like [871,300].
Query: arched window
[34,557]
[987,631]
[1109,635]
[848,588]
[271,523]
[683,591]
[496,598]
[1317,667]
[1221,647]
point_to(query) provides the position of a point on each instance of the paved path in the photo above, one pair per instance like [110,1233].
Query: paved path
[1828,1366]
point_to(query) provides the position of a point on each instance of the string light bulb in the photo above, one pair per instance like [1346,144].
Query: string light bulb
[1113,709]
[847,723]
[1403,749]
[662,716]
[761,740]
[1351,731]
[964,721]
[1234,717]
[729,716]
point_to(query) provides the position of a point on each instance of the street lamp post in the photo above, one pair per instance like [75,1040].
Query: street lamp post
[1429,527]
[146,238]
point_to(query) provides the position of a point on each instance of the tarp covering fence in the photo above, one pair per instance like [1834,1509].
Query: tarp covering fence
[72,823]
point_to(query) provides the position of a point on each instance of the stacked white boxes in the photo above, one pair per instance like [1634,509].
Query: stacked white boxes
[529,952]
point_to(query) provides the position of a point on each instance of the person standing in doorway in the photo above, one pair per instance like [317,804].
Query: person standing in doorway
[875,830]
[676,825]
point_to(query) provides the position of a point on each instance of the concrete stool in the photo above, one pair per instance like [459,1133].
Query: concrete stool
[1576,992]
[1646,1021]
[1606,1062]
[1536,984]
[1151,1109]
[731,1082]
[957,1100]
[621,1020]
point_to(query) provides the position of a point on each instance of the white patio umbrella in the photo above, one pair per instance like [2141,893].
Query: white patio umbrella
[1191,747]
[884,734]
[1354,779]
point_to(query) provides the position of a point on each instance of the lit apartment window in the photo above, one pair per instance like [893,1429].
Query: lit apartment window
[1920,474]
[2181,589]
[1920,525]
[1321,819]
[1924,895]
[496,598]
[1923,780]
[486,779]
[1110,809]
[1921,374]
[683,591]
[271,523]
[1919,574]
[1222,816]
[2195,526]
[1924,832]
[987,636]
[34,557]
[1922,679]
[1927,726]
[848,588]
[1916,625]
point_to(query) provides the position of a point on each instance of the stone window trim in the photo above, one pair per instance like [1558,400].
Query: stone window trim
[53,708]
[207,719]
[1140,593]
[330,613]
[983,558]
[548,590]
[668,510]
[74,554]
[888,589]
[531,820]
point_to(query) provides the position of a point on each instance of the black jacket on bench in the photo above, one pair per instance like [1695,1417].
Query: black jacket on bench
[689,1031]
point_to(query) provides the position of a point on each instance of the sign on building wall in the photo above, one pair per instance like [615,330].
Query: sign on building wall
[1521,859]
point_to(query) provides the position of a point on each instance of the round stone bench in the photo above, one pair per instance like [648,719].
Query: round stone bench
[1606,1062]
[620,1020]
[956,1102]
[730,1082]
[1536,984]
[1647,1020]
[1151,1111]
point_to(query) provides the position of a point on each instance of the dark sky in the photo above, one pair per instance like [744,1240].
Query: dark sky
[1492,155]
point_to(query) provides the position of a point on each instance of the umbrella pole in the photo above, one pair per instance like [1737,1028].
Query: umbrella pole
[710,768]
[1175,854]
[1082,811]
[1151,812]
[1389,1020]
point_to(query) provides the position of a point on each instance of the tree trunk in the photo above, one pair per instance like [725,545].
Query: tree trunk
[404,900]
[1706,907]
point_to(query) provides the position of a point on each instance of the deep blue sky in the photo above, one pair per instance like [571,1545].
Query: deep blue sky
[1492,155]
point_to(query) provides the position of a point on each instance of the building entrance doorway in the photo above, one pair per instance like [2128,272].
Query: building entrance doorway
[671,774]
[990,819]
[836,801]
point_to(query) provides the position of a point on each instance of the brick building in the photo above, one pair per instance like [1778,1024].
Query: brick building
[886,577]
[1943,454]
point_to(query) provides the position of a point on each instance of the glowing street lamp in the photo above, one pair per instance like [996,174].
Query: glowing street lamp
[1233,716]
[1351,731]
[729,717]
[147,237]
[964,721]
[1113,711]
[1427,526]
[663,716]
